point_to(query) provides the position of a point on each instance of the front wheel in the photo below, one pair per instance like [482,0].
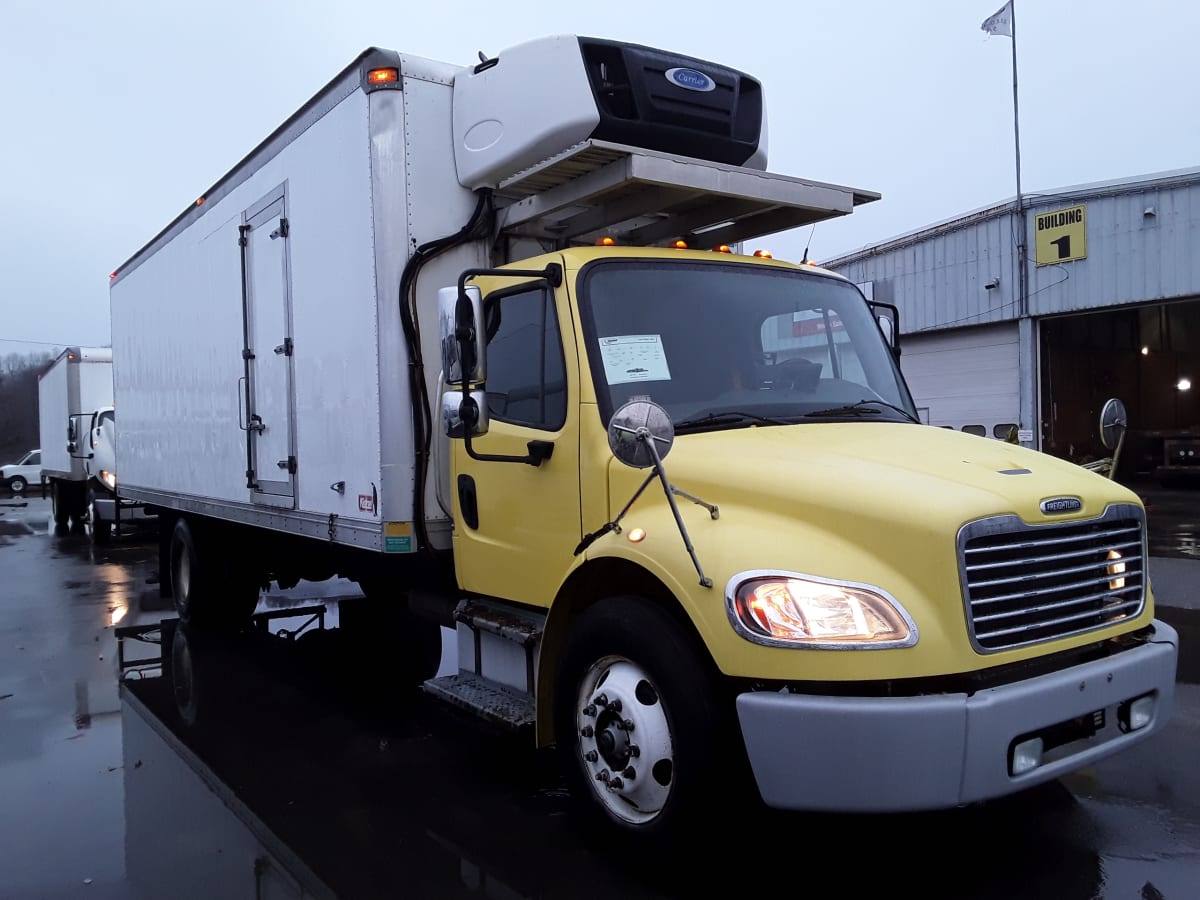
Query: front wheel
[643,734]
[98,529]
[17,484]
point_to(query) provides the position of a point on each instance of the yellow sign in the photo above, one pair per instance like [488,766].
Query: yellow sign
[1061,235]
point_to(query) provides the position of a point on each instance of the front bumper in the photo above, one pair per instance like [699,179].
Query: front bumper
[893,754]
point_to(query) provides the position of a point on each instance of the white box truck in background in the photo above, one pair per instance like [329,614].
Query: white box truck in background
[77,383]
[387,346]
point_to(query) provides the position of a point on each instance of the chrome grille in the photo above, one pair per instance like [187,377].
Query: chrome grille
[1024,584]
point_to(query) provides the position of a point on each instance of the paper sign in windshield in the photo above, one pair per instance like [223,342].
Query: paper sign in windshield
[634,357]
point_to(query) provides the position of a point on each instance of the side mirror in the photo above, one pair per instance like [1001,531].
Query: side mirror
[1113,422]
[458,414]
[463,340]
[889,332]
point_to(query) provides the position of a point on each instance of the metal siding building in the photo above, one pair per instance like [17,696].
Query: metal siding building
[975,358]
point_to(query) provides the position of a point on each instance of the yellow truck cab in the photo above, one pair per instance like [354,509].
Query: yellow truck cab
[944,617]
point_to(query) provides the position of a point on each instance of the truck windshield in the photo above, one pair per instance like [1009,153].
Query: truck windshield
[723,345]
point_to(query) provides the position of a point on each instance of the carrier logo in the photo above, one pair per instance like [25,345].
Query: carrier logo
[690,79]
[1056,505]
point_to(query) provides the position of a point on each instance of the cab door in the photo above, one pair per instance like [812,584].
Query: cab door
[517,525]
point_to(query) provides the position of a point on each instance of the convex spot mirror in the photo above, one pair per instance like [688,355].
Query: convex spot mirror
[1112,423]
[463,340]
[640,415]
[457,413]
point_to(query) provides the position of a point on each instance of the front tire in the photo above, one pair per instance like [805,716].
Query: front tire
[17,484]
[640,731]
[98,529]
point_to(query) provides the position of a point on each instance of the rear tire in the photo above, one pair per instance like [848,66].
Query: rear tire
[211,583]
[666,758]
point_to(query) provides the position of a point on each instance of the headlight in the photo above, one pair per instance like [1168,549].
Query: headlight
[109,479]
[787,610]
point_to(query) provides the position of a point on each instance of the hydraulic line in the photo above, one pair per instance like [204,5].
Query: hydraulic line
[479,225]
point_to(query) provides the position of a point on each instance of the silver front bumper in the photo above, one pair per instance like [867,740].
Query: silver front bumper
[891,754]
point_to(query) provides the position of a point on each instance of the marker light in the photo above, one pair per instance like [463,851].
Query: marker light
[112,276]
[199,201]
[810,262]
[680,245]
[783,609]
[383,76]
[763,254]
[606,242]
[637,535]
[109,479]
[722,248]
[1115,570]
[1137,713]
[1185,384]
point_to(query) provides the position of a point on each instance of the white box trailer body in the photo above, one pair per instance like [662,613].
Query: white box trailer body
[288,404]
[78,382]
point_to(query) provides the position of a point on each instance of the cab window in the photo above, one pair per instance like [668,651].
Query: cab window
[526,380]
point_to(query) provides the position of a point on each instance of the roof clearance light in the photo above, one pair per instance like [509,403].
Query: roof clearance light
[680,245]
[199,201]
[112,276]
[722,248]
[810,262]
[606,242]
[383,76]
[763,254]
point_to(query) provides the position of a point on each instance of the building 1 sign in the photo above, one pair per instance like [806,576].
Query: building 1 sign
[1061,235]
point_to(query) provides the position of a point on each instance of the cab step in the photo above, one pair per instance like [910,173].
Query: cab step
[498,646]
[494,702]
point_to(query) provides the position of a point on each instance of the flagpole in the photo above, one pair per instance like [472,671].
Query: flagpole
[1022,298]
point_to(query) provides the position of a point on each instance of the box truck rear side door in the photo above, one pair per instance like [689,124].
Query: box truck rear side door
[268,417]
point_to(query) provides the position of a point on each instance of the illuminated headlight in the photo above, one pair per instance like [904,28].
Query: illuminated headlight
[783,609]
[109,479]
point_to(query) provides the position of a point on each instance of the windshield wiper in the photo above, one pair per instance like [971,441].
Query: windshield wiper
[726,417]
[861,409]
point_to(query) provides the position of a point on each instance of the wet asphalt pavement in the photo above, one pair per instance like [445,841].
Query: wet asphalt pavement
[305,774]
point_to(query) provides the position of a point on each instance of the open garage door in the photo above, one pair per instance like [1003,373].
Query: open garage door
[1149,357]
[967,378]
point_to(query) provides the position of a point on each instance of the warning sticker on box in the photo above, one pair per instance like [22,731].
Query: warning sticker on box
[397,537]
[634,357]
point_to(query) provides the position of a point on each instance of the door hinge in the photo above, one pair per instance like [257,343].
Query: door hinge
[242,229]
[250,482]
[282,230]
[285,348]
[247,354]
[289,464]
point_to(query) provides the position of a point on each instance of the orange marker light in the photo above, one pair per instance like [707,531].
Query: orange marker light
[811,262]
[722,248]
[605,242]
[680,245]
[637,535]
[383,76]
[763,254]
[199,201]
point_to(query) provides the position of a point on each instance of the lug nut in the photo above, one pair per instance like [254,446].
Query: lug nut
[591,756]
[601,700]
[587,731]
[589,710]
[627,724]
[630,773]
[602,775]
[635,751]
[616,784]
[615,706]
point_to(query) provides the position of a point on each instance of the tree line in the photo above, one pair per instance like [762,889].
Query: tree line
[19,403]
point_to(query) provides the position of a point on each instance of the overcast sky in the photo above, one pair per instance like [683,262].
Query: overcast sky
[118,114]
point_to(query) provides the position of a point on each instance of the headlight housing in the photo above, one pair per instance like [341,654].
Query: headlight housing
[786,609]
[109,479]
